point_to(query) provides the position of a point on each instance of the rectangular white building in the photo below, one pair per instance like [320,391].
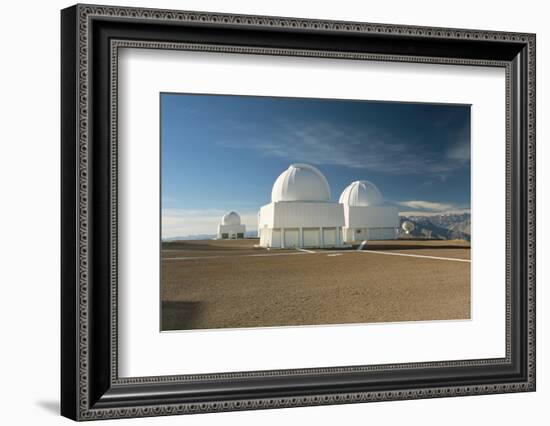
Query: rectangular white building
[370,223]
[367,217]
[230,227]
[300,224]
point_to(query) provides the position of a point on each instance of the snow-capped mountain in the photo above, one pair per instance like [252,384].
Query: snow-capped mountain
[441,226]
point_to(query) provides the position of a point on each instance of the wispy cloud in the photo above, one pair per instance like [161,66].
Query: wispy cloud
[460,150]
[185,222]
[373,149]
[425,213]
[427,208]
[426,205]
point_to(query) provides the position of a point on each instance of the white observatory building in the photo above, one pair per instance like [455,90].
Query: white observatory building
[366,216]
[300,213]
[230,227]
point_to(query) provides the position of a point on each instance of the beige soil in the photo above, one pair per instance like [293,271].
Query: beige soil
[230,284]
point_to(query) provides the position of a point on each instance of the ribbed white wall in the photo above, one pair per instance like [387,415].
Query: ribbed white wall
[360,234]
[232,230]
[307,215]
[324,224]
[371,216]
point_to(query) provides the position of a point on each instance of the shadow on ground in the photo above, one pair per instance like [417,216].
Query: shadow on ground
[181,315]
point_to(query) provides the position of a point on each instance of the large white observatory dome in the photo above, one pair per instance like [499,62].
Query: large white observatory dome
[301,182]
[361,193]
[231,218]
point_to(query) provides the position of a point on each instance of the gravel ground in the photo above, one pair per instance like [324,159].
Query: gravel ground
[231,284]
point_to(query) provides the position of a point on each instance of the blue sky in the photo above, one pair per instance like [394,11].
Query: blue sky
[222,153]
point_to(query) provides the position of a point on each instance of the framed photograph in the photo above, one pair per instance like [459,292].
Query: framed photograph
[263,212]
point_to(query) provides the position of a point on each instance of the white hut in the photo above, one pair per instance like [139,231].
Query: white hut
[230,227]
[366,216]
[300,213]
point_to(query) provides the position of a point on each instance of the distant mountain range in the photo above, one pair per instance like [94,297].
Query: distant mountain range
[248,234]
[441,226]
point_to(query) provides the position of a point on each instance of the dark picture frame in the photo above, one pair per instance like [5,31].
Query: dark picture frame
[90,38]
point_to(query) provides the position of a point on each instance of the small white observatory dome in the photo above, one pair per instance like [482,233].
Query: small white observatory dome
[301,182]
[231,218]
[361,193]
